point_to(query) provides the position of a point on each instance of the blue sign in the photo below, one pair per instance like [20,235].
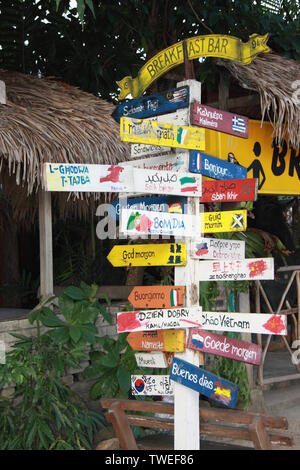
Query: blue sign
[152,105]
[155,203]
[215,167]
[204,382]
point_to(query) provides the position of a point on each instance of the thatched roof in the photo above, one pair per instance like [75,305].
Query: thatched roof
[274,78]
[49,121]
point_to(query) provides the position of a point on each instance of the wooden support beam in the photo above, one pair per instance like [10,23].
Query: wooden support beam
[46,251]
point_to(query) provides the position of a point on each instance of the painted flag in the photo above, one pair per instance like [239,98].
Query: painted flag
[238,124]
[176,207]
[179,95]
[202,249]
[188,183]
[174,298]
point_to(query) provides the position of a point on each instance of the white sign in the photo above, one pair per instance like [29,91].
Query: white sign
[249,269]
[152,385]
[151,359]
[170,162]
[140,222]
[137,150]
[260,323]
[215,248]
[167,182]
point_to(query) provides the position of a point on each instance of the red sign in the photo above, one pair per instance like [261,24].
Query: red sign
[157,296]
[219,345]
[229,190]
[217,120]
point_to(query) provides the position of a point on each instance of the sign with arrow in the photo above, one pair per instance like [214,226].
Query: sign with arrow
[216,168]
[236,190]
[157,340]
[249,269]
[163,254]
[222,121]
[216,248]
[157,296]
[225,221]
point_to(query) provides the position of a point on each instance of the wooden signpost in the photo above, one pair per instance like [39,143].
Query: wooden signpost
[157,340]
[153,203]
[151,385]
[155,359]
[167,182]
[204,382]
[158,319]
[145,131]
[222,121]
[216,168]
[216,248]
[164,254]
[260,323]
[153,105]
[236,270]
[133,222]
[139,150]
[169,162]
[229,190]
[226,221]
[225,346]
[157,296]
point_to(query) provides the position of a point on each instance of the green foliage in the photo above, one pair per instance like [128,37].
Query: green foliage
[43,413]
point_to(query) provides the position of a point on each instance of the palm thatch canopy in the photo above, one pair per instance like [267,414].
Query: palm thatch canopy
[45,120]
[277,80]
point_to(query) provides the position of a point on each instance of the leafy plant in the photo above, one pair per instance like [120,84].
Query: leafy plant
[43,412]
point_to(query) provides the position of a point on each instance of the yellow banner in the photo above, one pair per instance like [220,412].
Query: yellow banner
[212,45]
[145,131]
[226,221]
[276,167]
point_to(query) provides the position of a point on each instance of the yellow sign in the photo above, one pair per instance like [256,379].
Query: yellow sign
[212,45]
[226,221]
[164,254]
[145,131]
[277,167]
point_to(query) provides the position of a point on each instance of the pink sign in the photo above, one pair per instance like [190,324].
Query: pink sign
[219,345]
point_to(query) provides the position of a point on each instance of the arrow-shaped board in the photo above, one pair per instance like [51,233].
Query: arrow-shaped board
[249,269]
[225,221]
[216,168]
[163,254]
[147,320]
[219,249]
[157,296]
[157,340]
[229,190]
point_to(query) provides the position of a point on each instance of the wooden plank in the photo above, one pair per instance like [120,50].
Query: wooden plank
[219,249]
[151,359]
[138,150]
[157,296]
[215,168]
[164,254]
[145,131]
[204,382]
[151,385]
[133,222]
[221,121]
[157,340]
[170,162]
[153,105]
[236,270]
[224,346]
[46,250]
[229,190]
[152,203]
[167,182]
[148,320]
[225,221]
[261,323]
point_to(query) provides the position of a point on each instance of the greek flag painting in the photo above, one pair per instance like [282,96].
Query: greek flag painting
[238,124]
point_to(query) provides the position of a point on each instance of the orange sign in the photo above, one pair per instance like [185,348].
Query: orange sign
[157,340]
[157,296]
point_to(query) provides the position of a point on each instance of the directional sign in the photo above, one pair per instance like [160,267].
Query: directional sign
[145,131]
[167,182]
[159,319]
[152,105]
[225,346]
[260,323]
[157,296]
[226,221]
[229,190]
[164,254]
[171,162]
[133,222]
[157,340]
[236,270]
[151,359]
[222,121]
[91,178]
[204,382]
[216,248]
[215,167]
[138,150]
[154,385]
[154,203]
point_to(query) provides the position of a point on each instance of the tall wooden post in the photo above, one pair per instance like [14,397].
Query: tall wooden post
[186,401]
[46,252]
